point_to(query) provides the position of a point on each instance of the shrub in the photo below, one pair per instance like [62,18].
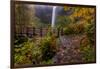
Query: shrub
[90,31]
[20,40]
[88,53]
[87,50]
[21,59]
[79,27]
[76,28]
[48,48]
[68,31]
[28,53]
[48,62]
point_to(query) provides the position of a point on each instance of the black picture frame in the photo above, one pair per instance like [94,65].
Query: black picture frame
[41,3]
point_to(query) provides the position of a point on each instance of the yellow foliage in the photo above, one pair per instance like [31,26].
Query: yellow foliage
[85,13]
[66,8]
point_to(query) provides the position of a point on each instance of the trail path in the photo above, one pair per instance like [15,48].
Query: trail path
[69,51]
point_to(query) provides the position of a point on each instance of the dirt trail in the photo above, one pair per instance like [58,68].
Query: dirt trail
[69,51]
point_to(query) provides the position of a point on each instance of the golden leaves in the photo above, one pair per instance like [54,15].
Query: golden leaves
[85,13]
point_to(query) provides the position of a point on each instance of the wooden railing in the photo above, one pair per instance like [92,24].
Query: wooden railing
[31,32]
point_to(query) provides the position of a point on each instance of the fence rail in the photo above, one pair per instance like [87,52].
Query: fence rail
[31,32]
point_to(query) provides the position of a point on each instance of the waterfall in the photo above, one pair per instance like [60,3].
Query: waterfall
[53,16]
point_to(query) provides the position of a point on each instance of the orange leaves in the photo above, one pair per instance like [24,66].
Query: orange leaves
[85,41]
[77,28]
[66,8]
[85,13]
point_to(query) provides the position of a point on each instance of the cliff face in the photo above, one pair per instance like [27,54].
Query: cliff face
[44,13]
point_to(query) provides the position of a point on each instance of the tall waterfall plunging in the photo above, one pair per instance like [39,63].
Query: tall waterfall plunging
[53,16]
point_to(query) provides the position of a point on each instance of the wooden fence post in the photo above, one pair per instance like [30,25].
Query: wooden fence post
[62,33]
[21,31]
[58,32]
[33,30]
[27,31]
[41,32]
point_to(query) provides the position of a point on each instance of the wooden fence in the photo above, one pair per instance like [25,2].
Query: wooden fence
[31,32]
